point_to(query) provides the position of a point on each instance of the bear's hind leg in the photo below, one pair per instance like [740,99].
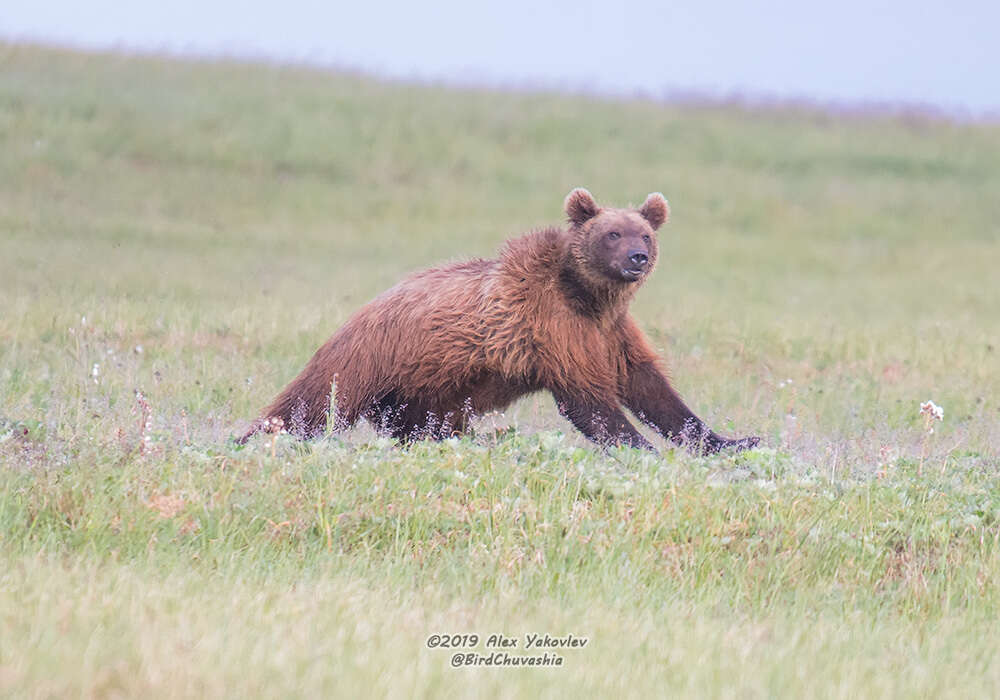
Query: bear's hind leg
[414,419]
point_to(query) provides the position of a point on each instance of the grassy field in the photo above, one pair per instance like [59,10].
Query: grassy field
[193,231]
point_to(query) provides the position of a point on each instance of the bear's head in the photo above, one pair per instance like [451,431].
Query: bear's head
[613,247]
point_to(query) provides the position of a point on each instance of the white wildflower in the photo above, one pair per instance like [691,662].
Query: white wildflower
[95,372]
[931,409]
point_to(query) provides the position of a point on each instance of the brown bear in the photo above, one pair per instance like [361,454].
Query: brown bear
[551,312]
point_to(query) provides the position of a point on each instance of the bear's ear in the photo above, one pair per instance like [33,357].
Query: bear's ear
[655,210]
[580,206]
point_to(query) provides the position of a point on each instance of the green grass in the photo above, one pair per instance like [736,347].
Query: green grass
[195,230]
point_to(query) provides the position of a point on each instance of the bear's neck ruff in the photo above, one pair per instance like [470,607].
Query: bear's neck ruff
[592,297]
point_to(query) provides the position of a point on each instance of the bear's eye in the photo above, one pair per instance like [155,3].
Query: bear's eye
[614,235]
[646,238]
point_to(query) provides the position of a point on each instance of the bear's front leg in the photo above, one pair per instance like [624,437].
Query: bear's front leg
[649,395]
[602,422]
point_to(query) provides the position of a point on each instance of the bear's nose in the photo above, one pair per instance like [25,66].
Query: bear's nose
[638,257]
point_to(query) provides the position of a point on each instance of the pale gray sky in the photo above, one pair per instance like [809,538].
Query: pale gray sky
[852,51]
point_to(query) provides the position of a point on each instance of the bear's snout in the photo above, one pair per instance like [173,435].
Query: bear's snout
[638,257]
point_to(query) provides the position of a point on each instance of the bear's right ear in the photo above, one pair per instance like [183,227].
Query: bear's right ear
[655,210]
[580,206]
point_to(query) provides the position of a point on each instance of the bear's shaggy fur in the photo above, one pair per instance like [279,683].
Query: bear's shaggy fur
[551,312]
